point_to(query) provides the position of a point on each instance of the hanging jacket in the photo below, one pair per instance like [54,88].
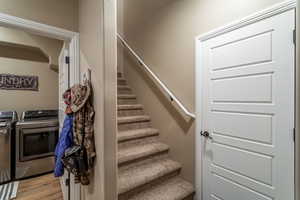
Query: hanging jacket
[82,107]
[65,141]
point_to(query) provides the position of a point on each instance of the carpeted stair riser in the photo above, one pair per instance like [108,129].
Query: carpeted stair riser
[124,113]
[130,110]
[125,99]
[125,136]
[135,123]
[141,159]
[190,197]
[124,90]
[136,178]
[133,119]
[122,81]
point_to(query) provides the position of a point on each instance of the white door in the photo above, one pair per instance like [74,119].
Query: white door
[248,110]
[63,86]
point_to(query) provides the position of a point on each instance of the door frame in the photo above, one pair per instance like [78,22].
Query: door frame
[258,16]
[67,36]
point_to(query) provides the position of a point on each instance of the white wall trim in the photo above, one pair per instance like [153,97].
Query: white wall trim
[297,120]
[258,16]
[52,32]
[35,27]
[110,100]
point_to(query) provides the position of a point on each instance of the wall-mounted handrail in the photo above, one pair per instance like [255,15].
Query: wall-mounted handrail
[159,82]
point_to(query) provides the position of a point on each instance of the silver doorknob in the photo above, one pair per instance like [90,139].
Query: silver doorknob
[206,134]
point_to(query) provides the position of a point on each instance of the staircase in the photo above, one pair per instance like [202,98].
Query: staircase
[145,170]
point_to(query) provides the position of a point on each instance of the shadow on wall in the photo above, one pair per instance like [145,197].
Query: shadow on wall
[181,120]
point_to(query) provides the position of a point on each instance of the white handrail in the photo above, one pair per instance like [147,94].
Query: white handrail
[161,84]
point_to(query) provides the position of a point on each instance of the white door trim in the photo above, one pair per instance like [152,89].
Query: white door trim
[258,16]
[52,32]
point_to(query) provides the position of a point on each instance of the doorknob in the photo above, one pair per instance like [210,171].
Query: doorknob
[206,134]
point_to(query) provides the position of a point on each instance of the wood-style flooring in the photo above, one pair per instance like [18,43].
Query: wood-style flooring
[40,188]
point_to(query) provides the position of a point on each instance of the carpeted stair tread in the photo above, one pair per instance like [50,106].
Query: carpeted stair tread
[140,175]
[122,81]
[172,189]
[136,134]
[130,107]
[126,96]
[124,87]
[133,119]
[138,151]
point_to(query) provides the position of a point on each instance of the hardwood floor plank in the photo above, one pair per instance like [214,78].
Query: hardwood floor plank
[44,187]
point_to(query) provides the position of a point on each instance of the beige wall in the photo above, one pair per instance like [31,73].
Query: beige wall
[91,41]
[45,98]
[93,16]
[162,32]
[60,13]
[51,47]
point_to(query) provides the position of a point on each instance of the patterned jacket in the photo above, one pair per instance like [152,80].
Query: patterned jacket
[81,105]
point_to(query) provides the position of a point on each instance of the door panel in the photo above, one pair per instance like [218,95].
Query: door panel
[247,88]
[248,109]
[240,52]
[260,131]
[228,189]
[238,160]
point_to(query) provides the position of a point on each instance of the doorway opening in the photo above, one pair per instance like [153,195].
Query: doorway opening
[39,63]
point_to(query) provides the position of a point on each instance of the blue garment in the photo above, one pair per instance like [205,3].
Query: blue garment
[65,141]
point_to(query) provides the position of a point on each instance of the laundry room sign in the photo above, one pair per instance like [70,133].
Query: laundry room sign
[17,82]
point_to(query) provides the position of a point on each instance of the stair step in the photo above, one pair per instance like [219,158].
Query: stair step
[173,189]
[133,122]
[136,134]
[139,151]
[119,74]
[130,107]
[124,89]
[138,176]
[126,96]
[126,99]
[130,110]
[122,81]
[133,119]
